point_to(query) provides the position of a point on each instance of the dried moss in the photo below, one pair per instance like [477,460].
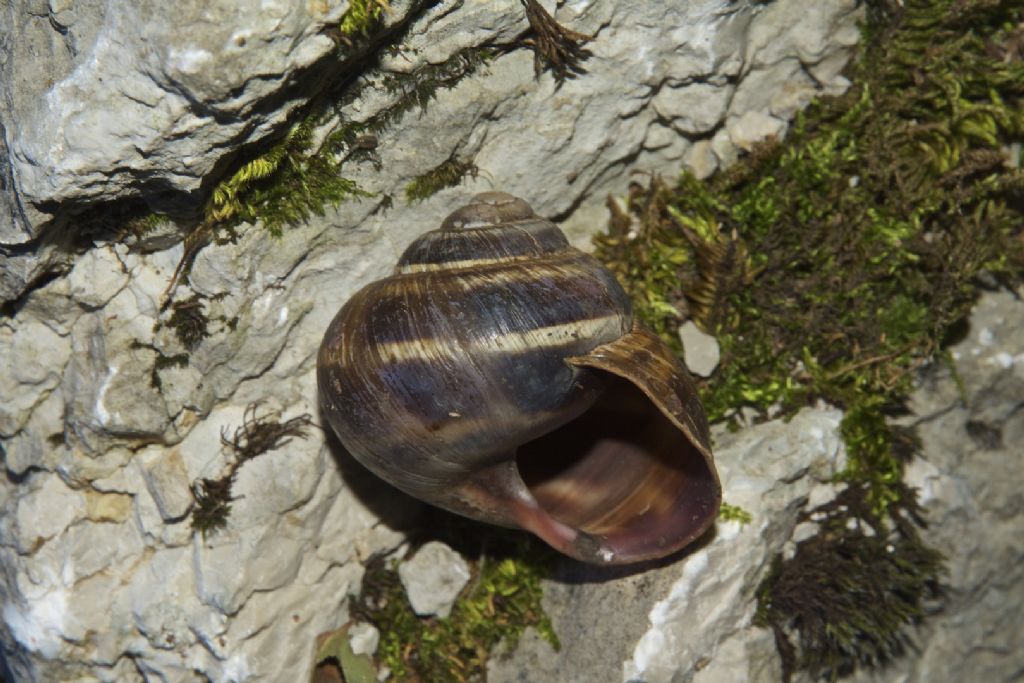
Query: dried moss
[189,321]
[179,360]
[848,592]
[257,434]
[555,47]
[833,266]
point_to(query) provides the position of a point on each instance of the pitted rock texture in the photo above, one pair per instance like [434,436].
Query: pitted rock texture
[109,416]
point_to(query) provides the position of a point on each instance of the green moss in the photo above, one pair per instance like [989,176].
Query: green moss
[502,599]
[447,174]
[734,513]
[362,17]
[833,266]
[300,175]
[296,179]
[287,184]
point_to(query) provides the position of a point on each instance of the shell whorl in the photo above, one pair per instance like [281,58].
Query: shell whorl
[481,235]
[471,332]
[498,373]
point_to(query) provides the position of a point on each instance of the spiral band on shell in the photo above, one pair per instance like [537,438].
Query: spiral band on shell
[495,335]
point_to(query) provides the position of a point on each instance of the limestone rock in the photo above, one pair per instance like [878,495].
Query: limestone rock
[969,482]
[131,95]
[187,100]
[109,416]
[700,350]
[695,108]
[433,579]
[363,638]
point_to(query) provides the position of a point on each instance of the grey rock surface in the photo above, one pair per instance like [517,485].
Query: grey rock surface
[152,101]
[109,417]
[433,579]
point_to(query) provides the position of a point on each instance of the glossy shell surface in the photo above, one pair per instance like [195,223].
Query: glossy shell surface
[453,377]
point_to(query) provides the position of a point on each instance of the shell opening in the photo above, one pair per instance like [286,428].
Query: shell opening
[624,475]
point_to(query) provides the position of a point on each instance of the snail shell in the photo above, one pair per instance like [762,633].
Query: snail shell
[499,374]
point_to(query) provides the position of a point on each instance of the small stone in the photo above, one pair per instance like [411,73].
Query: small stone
[700,349]
[701,160]
[433,579]
[97,277]
[753,127]
[363,639]
[167,482]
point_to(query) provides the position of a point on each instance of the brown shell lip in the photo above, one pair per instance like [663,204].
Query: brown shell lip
[631,479]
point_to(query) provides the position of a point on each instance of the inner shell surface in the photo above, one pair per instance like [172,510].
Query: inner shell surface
[623,472]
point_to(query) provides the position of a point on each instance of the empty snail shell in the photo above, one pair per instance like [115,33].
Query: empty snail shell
[499,374]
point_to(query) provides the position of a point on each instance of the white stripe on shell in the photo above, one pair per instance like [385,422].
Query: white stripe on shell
[608,327]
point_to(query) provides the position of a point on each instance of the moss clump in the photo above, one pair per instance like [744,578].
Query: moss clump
[833,266]
[287,184]
[849,590]
[734,513]
[502,599]
[447,174]
[362,17]
[189,322]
